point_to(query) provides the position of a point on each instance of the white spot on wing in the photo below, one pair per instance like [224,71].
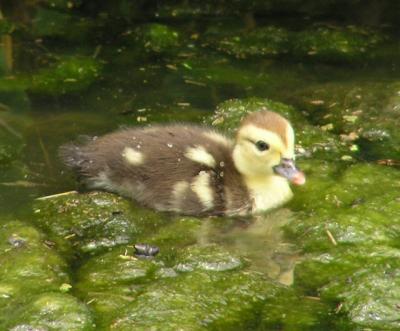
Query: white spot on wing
[200,155]
[131,156]
[201,186]
[178,192]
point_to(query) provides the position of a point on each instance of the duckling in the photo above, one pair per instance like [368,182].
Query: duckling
[194,170]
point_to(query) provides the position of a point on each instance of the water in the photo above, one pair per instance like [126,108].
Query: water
[142,81]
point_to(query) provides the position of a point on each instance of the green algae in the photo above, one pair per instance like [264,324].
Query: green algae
[209,258]
[336,43]
[317,43]
[379,312]
[53,312]
[354,208]
[117,268]
[362,281]
[69,75]
[51,23]
[91,223]
[351,239]
[27,261]
[157,38]
[29,267]
[210,287]
[269,41]
[218,71]
[194,301]
[363,113]
[305,313]
[228,114]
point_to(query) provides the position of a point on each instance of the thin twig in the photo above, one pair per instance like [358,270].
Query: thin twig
[331,238]
[57,195]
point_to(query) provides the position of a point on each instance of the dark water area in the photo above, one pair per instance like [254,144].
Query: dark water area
[327,260]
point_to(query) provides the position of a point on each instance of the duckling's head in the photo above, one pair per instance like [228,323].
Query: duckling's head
[265,146]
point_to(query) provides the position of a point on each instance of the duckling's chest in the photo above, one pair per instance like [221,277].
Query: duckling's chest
[267,193]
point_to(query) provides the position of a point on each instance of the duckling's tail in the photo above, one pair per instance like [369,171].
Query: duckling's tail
[71,155]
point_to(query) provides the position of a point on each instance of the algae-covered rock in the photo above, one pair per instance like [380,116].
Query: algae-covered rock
[350,187]
[69,75]
[53,311]
[347,226]
[57,24]
[371,298]
[173,237]
[354,206]
[113,280]
[198,300]
[92,222]
[156,38]
[336,44]
[362,113]
[116,268]
[27,263]
[288,310]
[228,114]
[211,257]
[363,281]
[330,272]
[207,284]
[269,41]
[28,267]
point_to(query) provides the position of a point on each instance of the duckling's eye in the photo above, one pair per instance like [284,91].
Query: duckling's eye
[262,145]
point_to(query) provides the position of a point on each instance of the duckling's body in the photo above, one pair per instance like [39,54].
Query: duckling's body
[180,168]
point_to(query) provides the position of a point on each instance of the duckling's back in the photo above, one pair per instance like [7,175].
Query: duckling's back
[185,169]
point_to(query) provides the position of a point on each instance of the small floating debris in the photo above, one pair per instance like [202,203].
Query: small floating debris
[389,162]
[22,183]
[65,287]
[317,102]
[183,104]
[16,241]
[146,250]
[91,301]
[193,82]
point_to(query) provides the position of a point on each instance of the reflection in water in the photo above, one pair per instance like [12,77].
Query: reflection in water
[259,239]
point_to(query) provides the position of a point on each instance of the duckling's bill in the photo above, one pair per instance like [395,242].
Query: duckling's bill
[288,169]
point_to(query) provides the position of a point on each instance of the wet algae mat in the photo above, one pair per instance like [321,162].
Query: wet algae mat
[328,260]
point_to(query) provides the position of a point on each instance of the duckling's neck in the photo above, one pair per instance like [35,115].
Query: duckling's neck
[266,189]
[268,192]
